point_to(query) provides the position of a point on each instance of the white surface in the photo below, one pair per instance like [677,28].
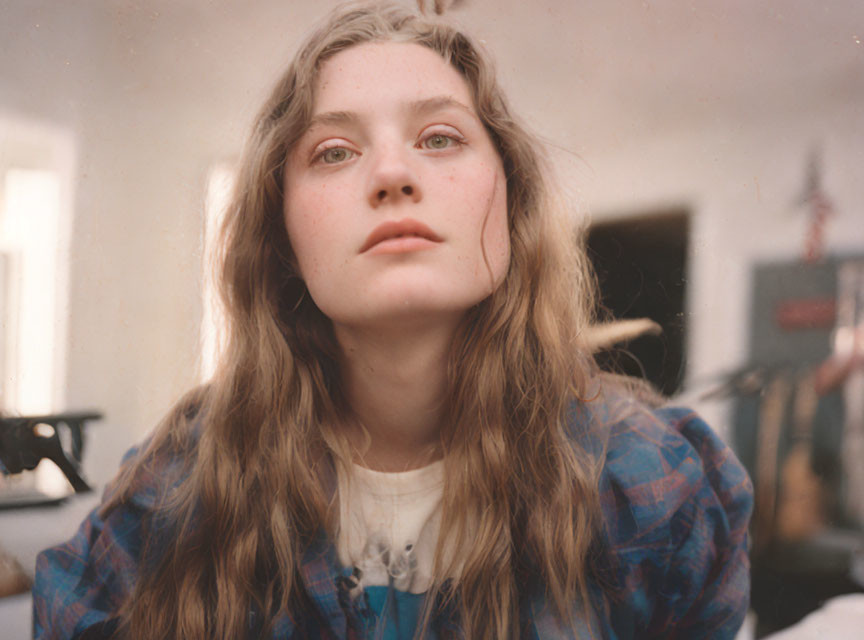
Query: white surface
[748,629]
[16,617]
[841,618]
[23,534]
[26,532]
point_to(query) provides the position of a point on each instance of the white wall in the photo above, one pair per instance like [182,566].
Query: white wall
[132,321]
[154,93]
[742,181]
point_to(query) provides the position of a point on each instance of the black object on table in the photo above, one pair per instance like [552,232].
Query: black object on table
[26,440]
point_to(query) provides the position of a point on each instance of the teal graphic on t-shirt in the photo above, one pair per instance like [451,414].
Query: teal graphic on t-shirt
[400,616]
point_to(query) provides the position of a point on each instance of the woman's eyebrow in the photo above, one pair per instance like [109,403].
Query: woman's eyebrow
[418,107]
[436,103]
[332,117]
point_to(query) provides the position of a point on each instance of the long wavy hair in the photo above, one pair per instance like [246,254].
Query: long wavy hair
[254,451]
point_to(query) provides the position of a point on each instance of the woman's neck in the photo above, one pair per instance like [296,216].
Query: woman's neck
[395,382]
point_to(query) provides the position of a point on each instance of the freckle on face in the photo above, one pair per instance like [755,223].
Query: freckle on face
[328,213]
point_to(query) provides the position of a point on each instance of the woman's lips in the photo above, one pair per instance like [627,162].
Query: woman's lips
[402,244]
[400,236]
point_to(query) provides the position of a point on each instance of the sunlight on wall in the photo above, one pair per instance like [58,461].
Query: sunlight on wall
[220,182]
[29,233]
[37,163]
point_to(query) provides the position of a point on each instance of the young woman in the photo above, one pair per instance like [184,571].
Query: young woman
[407,435]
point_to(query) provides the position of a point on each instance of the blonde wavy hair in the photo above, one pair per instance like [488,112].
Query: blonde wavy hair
[255,450]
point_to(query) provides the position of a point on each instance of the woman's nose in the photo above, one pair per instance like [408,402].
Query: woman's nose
[393,180]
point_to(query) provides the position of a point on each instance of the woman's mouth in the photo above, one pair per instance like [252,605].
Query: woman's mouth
[400,236]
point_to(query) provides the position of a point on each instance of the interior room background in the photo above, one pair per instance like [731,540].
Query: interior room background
[120,121]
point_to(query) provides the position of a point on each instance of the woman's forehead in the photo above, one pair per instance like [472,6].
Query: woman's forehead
[382,75]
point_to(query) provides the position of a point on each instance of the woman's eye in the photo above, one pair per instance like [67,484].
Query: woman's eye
[335,155]
[440,141]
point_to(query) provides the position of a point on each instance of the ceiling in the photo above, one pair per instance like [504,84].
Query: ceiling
[665,59]
[579,71]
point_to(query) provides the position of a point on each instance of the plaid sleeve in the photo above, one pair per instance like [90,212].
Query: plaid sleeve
[678,505]
[81,584]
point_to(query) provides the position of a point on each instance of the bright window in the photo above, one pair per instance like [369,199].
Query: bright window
[28,290]
[36,187]
[220,182]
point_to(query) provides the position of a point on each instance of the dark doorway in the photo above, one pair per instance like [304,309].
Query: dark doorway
[641,265]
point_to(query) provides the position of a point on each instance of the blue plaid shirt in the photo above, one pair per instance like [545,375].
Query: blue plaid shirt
[676,505]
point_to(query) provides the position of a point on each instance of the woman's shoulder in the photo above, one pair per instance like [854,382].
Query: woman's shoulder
[80,584]
[155,473]
[676,505]
[655,461]
[152,468]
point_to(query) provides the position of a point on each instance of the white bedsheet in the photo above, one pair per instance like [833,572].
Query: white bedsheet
[841,618]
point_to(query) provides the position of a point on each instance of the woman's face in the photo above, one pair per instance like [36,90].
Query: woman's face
[395,197]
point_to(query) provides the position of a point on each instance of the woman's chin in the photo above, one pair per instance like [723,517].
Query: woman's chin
[406,311]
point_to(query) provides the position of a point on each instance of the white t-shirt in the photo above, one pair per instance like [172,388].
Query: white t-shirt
[389,525]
